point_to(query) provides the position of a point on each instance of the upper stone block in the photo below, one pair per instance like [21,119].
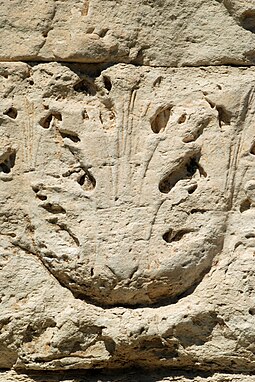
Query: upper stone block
[149,32]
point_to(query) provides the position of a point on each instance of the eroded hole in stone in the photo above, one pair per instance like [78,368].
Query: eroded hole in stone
[107,83]
[52,220]
[45,33]
[160,119]
[90,30]
[182,118]
[197,211]
[100,117]
[4,74]
[192,167]
[85,86]
[238,244]
[224,115]
[35,189]
[11,112]
[211,103]
[54,208]
[70,135]
[40,196]
[250,236]
[167,236]
[85,114]
[192,188]
[248,20]
[252,311]
[157,81]
[50,255]
[172,236]
[7,161]
[185,171]
[245,205]
[87,181]
[46,122]
[81,180]
[252,150]
[103,32]
[110,345]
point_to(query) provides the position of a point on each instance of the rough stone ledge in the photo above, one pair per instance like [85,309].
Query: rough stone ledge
[122,376]
[156,33]
[107,64]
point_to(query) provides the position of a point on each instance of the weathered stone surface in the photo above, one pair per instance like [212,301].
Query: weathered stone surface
[127,218]
[157,33]
[127,376]
[127,191]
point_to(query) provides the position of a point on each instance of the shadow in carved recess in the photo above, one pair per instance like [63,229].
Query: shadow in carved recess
[186,170]
[54,208]
[247,20]
[86,86]
[245,205]
[160,119]
[84,177]
[224,116]
[7,161]
[47,121]
[11,112]
[39,195]
[107,83]
[173,235]
[70,135]
[252,150]
[126,374]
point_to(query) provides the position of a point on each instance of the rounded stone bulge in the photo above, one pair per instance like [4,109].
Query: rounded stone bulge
[117,228]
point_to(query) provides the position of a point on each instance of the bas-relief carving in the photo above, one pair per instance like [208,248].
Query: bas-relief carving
[130,188]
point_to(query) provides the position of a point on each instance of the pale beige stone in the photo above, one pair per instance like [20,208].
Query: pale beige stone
[127,218]
[141,159]
[156,33]
[127,191]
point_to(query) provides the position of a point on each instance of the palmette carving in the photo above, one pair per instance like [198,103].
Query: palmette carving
[122,164]
[132,188]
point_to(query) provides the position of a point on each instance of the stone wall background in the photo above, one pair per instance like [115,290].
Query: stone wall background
[127,191]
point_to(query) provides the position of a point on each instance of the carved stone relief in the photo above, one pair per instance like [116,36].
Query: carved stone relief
[127,209]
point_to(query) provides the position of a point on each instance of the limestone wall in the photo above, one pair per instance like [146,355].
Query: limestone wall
[127,190]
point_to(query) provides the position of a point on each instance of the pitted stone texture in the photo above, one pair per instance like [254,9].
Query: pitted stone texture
[157,33]
[123,188]
[133,149]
